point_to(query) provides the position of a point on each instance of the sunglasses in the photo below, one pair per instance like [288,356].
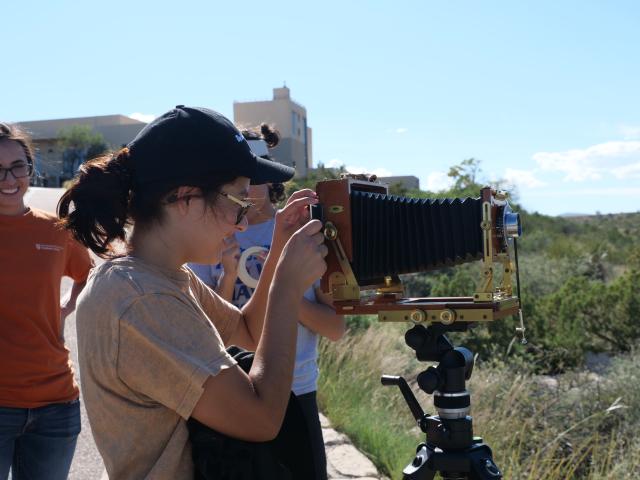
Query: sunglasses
[244,206]
[242,211]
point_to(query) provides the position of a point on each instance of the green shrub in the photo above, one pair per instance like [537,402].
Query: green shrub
[576,426]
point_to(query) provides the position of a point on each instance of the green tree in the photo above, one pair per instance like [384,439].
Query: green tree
[318,174]
[79,143]
[465,174]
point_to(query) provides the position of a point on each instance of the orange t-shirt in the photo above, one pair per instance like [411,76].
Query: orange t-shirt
[35,368]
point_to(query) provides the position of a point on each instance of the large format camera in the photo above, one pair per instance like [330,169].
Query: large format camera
[374,238]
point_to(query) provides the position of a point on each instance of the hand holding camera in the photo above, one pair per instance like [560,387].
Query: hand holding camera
[302,259]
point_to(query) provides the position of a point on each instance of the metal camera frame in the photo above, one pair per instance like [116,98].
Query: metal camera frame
[492,299]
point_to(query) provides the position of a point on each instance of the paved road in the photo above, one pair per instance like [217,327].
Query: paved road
[87,463]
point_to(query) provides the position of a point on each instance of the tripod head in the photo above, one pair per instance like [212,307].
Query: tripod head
[450,447]
[447,380]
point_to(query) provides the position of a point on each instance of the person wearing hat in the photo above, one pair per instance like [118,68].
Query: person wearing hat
[151,335]
[236,283]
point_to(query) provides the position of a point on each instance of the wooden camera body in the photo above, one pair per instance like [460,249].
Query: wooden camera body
[374,237]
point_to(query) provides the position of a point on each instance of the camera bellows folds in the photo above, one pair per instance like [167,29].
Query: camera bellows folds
[393,235]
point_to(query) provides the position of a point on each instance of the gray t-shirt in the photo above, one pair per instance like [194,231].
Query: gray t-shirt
[147,341]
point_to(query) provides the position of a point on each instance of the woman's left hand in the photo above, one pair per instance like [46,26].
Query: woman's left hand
[293,216]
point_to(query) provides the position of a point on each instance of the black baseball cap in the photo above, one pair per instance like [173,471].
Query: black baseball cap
[188,145]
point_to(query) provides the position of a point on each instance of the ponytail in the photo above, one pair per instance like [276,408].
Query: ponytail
[101,194]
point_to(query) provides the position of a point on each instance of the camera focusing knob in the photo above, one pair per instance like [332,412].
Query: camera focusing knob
[429,380]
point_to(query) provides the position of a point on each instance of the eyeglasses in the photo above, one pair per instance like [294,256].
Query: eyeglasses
[242,211]
[18,171]
[244,206]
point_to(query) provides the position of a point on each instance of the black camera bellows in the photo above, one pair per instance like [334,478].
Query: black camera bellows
[393,235]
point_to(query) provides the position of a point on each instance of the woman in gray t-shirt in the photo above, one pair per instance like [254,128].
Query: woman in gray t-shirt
[151,336]
[317,318]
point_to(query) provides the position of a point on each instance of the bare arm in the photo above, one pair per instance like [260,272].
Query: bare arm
[260,397]
[229,259]
[288,220]
[249,330]
[226,286]
[68,304]
[252,406]
[320,318]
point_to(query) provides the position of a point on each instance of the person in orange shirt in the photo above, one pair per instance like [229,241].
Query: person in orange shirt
[39,405]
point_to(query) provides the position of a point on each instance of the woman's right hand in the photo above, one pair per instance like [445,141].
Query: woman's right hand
[302,260]
[292,217]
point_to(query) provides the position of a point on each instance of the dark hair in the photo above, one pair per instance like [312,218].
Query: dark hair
[272,138]
[276,192]
[106,200]
[12,132]
[266,133]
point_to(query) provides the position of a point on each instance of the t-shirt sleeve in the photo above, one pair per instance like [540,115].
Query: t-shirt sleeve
[166,351]
[79,262]
[224,315]
[203,272]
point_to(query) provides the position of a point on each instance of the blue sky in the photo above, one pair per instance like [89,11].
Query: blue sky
[546,94]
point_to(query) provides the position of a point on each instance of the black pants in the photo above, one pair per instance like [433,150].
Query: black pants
[309,407]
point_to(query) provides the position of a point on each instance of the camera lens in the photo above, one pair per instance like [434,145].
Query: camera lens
[512,226]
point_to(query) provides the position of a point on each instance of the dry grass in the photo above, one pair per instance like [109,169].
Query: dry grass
[577,426]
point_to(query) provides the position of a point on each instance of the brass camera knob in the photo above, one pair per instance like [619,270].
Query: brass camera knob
[330,231]
[417,316]
[448,316]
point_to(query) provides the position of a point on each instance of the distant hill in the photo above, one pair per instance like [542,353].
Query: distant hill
[598,216]
[569,215]
[617,235]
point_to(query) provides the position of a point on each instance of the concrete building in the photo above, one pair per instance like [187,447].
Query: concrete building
[286,116]
[410,182]
[117,130]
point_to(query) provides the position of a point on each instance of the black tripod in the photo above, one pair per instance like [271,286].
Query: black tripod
[450,446]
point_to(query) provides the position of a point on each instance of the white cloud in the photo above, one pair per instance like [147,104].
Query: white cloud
[142,117]
[402,130]
[627,171]
[438,181]
[590,163]
[523,178]
[334,163]
[630,132]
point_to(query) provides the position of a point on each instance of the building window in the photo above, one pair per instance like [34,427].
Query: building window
[294,123]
